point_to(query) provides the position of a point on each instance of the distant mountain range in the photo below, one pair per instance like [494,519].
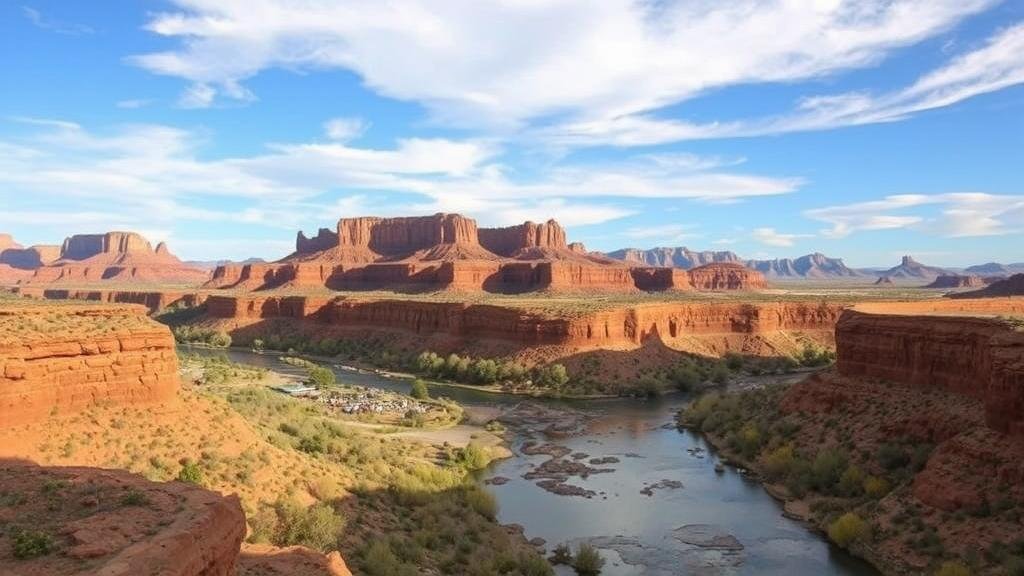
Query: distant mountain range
[995,269]
[211,264]
[680,257]
[811,266]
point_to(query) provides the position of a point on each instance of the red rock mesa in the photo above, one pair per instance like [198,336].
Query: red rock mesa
[449,251]
[114,256]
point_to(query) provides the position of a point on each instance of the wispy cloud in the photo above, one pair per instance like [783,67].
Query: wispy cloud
[156,172]
[133,104]
[953,215]
[67,28]
[998,64]
[771,237]
[619,58]
[345,129]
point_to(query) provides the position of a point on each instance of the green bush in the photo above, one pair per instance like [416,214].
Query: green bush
[379,560]
[851,483]
[134,498]
[587,561]
[552,376]
[419,390]
[848,529]
[720,374]
[191,472]
[317,526]
[31,544]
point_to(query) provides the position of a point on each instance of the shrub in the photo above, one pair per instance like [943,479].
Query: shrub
[31,544]
[220,340]
[587,562]
[953,569]
[482,502]
[473,457]
[684,377]
[851,483]
[419,390]
[847,529]
[779,462]
[827,468]
[317,526]
[134,498]
[734,361]
[562,554]
[191,472]
[379,560]
[321,377]
[552,376]
[892,457]
[876,487]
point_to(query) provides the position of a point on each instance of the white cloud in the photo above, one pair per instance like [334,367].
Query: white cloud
[996,65]
[154,173]
[197,96]
[771,237]
[951,215]
[508,62]
[134,103]
[345,129]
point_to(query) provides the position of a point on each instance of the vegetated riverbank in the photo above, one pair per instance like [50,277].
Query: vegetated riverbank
[881,470]
[390,505]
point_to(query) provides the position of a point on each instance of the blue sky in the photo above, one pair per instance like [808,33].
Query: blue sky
[863,130]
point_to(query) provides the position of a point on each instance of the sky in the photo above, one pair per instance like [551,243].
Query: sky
[861,129]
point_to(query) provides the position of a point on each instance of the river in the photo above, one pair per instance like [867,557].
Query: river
[691,520]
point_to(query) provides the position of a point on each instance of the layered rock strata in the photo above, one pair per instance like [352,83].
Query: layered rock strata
[449,251]
[957,281]
[623,326]
[982,358]
[63,358]
[115,256]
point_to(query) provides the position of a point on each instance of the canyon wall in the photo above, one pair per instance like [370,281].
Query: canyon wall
[62,358]
[974,356]
[510,240]
[625,326]
[726,276]
[155,301]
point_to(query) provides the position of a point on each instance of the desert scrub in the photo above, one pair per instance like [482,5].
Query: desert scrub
[848,529]
[27,543]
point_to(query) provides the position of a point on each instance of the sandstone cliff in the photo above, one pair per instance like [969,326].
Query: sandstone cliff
[726,276]
[116,256]
[982,358]
[449,252]
[1012,286]
[60,358]
[957,281]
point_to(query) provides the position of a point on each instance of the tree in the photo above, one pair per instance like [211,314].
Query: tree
[552,376]
[257,345]
[419,390]
[321,377]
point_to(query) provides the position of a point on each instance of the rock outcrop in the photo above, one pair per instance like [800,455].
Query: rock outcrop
[115,523]
[13,255]
[116,256]
[64,357]
[884,281]
[154,300]
[1012,286]
[957,281]
[982,358]
[449,252]
[910,269]
[726,276]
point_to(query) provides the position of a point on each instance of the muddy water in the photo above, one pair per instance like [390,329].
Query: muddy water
[661,510]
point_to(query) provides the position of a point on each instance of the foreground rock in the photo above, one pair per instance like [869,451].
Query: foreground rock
[78,521]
